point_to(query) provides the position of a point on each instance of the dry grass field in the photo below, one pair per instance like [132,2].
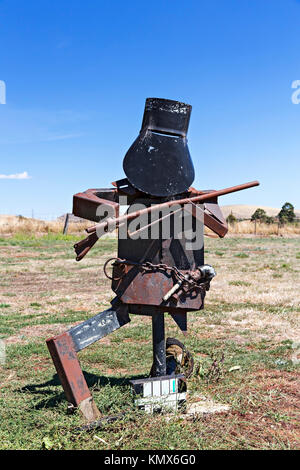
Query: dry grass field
[9,225]
[251,317]
[247,227]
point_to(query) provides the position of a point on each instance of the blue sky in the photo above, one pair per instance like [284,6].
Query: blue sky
[77,74]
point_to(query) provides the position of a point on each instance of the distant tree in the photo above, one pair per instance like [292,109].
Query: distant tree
[269,220]
[259,214]
[231,219]
[287,213]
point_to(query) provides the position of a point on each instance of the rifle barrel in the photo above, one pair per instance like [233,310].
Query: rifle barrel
[203,197]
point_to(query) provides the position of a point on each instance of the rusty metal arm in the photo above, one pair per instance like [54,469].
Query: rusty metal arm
[85,204]
[158,207]
[83,247]
[211,216]
[81,250]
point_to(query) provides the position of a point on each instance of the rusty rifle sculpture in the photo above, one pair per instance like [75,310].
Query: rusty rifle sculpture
[155,272]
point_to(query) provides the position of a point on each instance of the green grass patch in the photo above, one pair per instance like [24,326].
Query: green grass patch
[219,253]
[239,283]
[241,255]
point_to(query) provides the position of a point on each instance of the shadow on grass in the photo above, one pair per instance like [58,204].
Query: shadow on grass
[52,399]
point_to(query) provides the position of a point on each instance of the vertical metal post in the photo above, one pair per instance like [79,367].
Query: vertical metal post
[66,224]
[159,344]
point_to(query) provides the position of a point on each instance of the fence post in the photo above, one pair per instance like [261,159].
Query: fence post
[65,230]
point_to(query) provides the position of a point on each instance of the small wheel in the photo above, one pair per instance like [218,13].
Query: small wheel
[179,360]
[175,350]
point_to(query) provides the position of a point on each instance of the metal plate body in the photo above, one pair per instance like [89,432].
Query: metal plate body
[148,288]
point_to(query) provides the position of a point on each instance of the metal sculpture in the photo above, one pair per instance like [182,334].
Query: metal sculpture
[160,266]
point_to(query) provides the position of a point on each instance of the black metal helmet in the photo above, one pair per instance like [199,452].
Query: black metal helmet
[158,162]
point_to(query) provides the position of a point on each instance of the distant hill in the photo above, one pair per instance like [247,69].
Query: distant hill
[72,219]
[245,212]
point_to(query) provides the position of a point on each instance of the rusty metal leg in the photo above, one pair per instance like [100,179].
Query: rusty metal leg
[65,359]
[95,328]
[63,349]
[159,346]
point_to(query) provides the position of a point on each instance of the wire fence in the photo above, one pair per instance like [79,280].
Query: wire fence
[259,227]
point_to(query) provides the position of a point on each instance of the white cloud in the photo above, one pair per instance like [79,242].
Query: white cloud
[17,176]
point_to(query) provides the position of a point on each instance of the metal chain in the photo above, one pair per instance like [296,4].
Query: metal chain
[147,266]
